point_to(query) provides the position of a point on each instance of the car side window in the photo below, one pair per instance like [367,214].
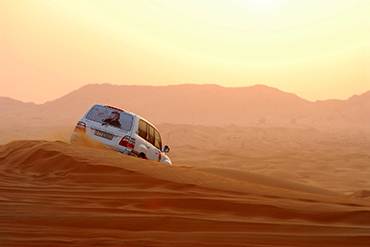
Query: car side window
[151,136]
[142,129]
[157,142]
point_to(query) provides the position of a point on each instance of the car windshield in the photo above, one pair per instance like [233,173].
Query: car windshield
[110,116]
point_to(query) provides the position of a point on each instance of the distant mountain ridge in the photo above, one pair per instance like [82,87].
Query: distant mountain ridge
[193,104]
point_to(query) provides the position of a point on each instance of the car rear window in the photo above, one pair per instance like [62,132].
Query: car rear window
[110,116]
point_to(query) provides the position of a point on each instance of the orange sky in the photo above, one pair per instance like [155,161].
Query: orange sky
[317,49]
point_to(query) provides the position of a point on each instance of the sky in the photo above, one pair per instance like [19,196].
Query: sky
[316,49]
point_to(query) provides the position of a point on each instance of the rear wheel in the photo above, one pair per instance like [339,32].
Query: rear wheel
[142,156]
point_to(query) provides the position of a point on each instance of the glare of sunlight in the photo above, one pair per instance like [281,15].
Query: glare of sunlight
[262,3]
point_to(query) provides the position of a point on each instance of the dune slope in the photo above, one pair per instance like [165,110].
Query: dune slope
[57,194]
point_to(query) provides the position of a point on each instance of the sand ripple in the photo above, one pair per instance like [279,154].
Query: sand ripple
[57,194]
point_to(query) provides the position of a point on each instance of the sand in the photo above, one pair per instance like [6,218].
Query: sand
[335,159]
[253,166]
[229,186]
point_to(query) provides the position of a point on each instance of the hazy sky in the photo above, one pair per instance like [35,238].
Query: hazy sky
[317,49]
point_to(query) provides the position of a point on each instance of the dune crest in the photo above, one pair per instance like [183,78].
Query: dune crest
[55,193]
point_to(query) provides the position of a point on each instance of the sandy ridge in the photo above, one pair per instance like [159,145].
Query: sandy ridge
[57,194]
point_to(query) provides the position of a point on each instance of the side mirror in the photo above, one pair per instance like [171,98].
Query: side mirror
[166,149]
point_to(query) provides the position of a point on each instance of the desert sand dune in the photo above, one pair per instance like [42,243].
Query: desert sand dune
[331,159]
[265,180]
[57,194]
[252,167]
[326,158]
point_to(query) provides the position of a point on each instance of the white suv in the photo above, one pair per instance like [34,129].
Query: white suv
[123,131]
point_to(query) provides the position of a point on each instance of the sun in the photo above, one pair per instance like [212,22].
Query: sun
[262,3]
